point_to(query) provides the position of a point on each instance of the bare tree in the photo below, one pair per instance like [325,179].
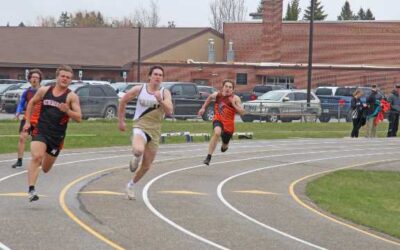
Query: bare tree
[48,21]
[226,11]
[147,18]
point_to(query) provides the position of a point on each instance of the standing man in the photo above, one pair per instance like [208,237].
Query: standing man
[35,77]
[59,104]
[153,102]
[227,104]
[373,108]
[394,101]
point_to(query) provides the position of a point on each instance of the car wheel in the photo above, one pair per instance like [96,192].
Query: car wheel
[286,120]
[312,117]
[10,110]
[324,118]
[110,112]
[209,114]
[247,118]
[273,117]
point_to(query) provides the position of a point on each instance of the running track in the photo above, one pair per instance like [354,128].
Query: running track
[250,197]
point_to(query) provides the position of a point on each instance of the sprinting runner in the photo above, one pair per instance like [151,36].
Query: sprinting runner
[59,104]
[227,104]
[153,102]
[35,77]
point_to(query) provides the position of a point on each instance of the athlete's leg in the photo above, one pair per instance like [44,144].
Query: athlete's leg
[38,150]
[139,141]
[148,158]
[48,162]
[214,140]
[226,137]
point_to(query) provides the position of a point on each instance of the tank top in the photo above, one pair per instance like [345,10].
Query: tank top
[224,112]
[30,92]
[52,121]
[149,113]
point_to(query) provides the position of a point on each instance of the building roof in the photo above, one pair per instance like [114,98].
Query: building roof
[88,47]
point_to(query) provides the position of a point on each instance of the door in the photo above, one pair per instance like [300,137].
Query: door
[83,94]
[97,101]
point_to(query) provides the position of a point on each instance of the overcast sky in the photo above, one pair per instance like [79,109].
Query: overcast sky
[185,13]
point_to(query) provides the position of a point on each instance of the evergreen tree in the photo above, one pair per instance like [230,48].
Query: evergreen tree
[292,11]
[318,12]
[347,13]
[361,14]
[64,20]
[259,13]
[288,13]
[21,24]
[369,15]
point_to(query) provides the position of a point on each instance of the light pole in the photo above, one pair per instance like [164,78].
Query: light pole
[138,52]
[310,53]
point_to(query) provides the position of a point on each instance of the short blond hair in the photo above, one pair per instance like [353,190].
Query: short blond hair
[64,68]
[230,81]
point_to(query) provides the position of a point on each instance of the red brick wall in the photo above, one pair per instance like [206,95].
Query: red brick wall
[272,30]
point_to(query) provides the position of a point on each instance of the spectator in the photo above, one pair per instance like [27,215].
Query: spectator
[357,112]
[394,102]
[373,108]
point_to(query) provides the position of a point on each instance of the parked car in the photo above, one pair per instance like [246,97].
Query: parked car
[339,105]
[326,91]
[126,88]
[11,97]
[11,81]
[205,91]
[186,99]
[96,100]
[4,88]
[259,90]
[245,96]
[285,105]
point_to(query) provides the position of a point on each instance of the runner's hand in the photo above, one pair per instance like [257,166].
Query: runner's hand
[122,126]
[157,95]
[201,112]
[26,127]
[63,107]
[17,116]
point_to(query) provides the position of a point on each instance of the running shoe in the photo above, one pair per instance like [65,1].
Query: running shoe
[18,164]
[223,149]
[130,191]
[207,161]
[33,196]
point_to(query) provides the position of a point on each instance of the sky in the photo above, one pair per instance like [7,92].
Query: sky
[184,13]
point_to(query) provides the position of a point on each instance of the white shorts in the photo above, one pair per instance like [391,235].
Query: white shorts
[138,131]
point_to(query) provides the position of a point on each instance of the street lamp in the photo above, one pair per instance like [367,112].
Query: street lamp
[310,52]
[138,52]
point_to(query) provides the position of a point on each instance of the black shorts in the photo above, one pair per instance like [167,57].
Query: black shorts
[21,127]
[54,144]
[225,136]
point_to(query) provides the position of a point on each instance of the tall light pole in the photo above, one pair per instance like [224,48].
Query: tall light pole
[138,52]
[310,52]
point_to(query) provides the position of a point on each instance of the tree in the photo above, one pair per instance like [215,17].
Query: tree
[46,21]
[226,11]
[88,19]
[64,20]
[260,10]
[147,18]
[347,13]
[21,24]
[318,12]
[361,14]
[369,15]
[293,11]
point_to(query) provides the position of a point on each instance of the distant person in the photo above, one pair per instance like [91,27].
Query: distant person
[226,105]
[394,101]
[34,77]
[153,102]
[59,104]
[357,107]
[373,108]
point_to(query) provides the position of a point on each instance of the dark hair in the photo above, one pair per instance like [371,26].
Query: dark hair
[64,68]
[229,80]
[35,71]
[155,67]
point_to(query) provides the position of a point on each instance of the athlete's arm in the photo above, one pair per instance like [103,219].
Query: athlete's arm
[166,102]
[237,104]
[72,108]
[209,99]
[29,109]
[21,104]
[132,93]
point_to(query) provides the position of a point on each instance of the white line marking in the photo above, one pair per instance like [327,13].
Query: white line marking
[4,247]
[182,229]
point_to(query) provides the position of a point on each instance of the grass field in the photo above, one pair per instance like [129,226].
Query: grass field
[103,133]
[369,198]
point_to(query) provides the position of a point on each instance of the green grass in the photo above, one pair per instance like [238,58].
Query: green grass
[103,133]
[369,198]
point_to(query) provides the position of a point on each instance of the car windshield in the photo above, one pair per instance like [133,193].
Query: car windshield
[3,87]
[323,91]
[272,95]
[345,91]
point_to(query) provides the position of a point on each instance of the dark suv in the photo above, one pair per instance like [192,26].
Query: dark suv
[96,100]
[186,99]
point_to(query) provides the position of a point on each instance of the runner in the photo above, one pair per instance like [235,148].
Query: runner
[153,102]
[35,77]
[227,104]
[59,104]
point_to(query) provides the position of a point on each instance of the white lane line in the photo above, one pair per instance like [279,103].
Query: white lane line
[198,237]
[226,203]
[4,247]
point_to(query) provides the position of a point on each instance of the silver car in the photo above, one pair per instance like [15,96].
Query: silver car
[284,105]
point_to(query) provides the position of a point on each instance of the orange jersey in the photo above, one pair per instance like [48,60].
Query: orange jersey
[225,112]
[35,113]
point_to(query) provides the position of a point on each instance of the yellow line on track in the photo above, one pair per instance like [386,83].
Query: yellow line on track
[298,200]
[78,221]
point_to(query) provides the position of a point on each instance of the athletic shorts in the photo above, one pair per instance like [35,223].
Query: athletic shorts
[54,144]
[21,127]
[225,136]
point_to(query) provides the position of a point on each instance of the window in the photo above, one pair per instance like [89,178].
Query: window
[241,78]
[201,81]
[176,90]
[189,90]
[300,96]
[83,92]
[4,76]
[97,92]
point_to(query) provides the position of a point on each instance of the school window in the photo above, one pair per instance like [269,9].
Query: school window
[241,78]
